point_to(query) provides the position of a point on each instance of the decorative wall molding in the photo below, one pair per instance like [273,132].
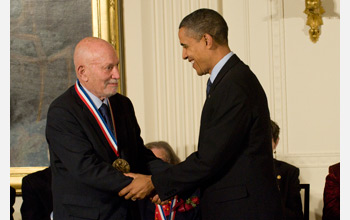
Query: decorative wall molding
[311,160]
[278,99]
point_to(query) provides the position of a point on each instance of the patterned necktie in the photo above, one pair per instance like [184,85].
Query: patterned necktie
[104,110]
[209,83]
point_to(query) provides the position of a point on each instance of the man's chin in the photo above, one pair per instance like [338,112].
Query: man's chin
[111,93]
[201,73]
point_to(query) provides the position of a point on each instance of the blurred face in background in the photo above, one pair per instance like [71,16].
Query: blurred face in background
[274,144]
[160,153]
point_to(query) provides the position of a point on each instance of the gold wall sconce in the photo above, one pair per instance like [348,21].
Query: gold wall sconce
[314,10]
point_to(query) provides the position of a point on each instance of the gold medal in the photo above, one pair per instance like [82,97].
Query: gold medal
[121,165]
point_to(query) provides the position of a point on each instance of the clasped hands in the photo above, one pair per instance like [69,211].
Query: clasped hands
[139,188]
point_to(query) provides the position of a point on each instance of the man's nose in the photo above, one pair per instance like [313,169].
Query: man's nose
[184,54]
[116,73]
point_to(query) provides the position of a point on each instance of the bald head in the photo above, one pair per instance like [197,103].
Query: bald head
[96,66]
[87,49]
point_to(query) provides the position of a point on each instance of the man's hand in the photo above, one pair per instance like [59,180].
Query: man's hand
[156,200]
[139,188]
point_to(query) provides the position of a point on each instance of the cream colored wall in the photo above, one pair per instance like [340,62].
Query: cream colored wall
[167,94]
[300,78]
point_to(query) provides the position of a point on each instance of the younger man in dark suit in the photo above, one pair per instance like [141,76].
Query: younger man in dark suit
[233,166]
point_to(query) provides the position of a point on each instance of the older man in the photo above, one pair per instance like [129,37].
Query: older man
[89,128]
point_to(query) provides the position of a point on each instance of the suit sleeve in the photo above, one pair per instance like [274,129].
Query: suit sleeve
[293,206]
[227,121]
[72,151]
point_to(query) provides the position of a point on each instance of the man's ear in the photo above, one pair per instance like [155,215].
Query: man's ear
[81,72]
[278,139]
[208,40]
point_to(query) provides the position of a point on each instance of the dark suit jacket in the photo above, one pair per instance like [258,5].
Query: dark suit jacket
[287,177]
[331,194]
[37,195]
[233,165]
[84,183]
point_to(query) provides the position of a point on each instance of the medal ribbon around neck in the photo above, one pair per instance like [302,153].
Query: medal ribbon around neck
[101,122]
[172,212]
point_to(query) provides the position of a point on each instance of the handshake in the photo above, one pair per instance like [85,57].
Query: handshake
[142,186]
[139,188]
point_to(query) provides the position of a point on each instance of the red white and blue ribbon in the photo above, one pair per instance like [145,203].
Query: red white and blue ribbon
[101,122]
[162,214]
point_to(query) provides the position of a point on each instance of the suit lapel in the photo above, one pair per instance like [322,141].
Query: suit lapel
[87,112]
[105,149]
[225,69]
[120,126]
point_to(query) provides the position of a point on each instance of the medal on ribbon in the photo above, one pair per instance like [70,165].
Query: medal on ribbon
[119,164]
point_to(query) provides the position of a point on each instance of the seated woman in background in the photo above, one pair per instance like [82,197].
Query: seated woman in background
[331,194]
[183,210]
[164,151]
[288,181]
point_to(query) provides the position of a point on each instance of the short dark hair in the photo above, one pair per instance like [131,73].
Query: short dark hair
[206,21]
[275,130]
[171,156]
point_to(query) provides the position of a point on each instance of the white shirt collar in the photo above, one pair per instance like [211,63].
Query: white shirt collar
[97,102]
[219,66]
